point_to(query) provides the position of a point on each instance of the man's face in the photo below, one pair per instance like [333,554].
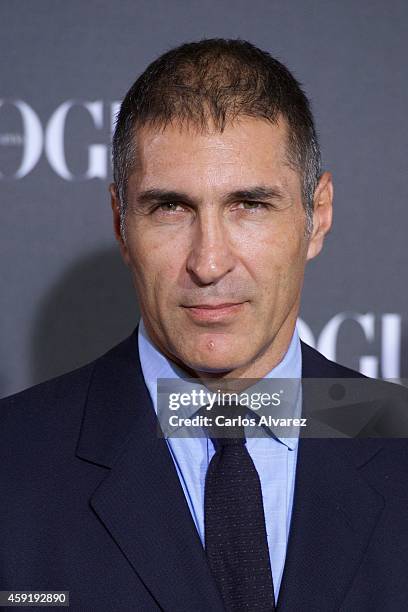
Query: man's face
[216,242]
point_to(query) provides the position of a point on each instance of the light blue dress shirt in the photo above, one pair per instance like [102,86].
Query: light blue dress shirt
[274,456]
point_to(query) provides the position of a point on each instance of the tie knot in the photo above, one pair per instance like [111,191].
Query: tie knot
[226,427]
[220,443]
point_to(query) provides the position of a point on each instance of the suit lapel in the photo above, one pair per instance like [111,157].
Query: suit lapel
[140,501]
[142,505]
[334,514]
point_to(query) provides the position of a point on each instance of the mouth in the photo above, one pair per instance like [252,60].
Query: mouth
[208,313]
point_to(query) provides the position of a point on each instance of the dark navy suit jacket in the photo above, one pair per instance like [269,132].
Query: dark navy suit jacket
[90,502]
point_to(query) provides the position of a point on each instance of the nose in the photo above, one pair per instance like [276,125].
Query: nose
[211,256]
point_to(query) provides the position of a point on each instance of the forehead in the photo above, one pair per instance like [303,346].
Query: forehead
[250,150]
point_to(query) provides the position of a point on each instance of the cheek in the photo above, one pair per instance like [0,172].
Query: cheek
[155,262]
[277,265]
[275,255]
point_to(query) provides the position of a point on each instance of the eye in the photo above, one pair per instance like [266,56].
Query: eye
[251,205]
[169,207]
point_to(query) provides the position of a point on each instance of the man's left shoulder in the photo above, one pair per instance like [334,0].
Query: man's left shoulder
[316,365]
[364,407]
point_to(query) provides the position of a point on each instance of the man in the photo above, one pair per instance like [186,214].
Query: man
[218,203]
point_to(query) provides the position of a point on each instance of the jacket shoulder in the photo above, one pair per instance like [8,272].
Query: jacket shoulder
[64,387]
[316,365]
[57,403]
[45,416]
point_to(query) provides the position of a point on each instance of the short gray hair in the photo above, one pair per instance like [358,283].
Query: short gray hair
[217,80]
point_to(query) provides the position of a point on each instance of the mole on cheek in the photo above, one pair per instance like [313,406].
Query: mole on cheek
[211,345]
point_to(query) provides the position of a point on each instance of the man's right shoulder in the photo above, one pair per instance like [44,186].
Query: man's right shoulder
[39,426]
[57,405]
[66,388]
[65,392]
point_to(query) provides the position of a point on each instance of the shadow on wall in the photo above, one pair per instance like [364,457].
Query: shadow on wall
[404,352]
[92,308]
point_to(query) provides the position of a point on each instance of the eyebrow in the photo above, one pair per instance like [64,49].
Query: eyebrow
[255,193]
[259,192]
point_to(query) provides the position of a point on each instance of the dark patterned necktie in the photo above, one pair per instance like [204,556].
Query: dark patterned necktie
[235,534]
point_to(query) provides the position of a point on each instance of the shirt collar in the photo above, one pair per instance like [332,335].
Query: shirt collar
[155,365]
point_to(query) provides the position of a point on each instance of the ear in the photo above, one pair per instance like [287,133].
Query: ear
[115,203]
[322,214]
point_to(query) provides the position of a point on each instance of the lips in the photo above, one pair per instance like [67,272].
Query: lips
[207,313]
[215,306]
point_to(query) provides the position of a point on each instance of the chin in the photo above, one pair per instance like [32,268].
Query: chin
[215,357]
[214,367]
